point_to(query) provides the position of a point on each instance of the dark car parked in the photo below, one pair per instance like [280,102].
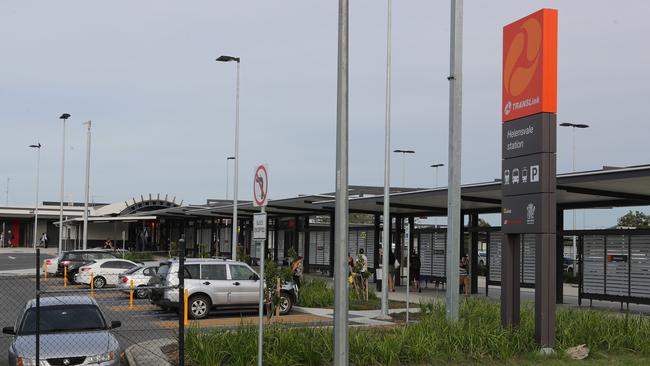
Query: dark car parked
[75,259]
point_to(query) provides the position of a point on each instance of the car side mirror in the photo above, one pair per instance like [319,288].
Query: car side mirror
[116,324]
[256,277]
[8,330]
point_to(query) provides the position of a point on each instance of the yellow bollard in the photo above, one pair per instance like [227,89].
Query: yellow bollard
[92,284]
[185,321]
[65,277]
[131,296]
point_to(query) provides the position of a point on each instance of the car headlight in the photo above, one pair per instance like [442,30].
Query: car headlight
[104,357]
[25,361]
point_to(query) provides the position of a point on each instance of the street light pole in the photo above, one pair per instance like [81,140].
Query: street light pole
[235,225]
[573,168]
[453,186]
[341,210]
[36,146]
[63,117]
[228,175]
[387,219]
[435,167]
[87,185]
[404,152]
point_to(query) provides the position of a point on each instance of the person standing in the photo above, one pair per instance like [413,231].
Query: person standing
[464,274]
[392,268]
[415,271]
[297,269]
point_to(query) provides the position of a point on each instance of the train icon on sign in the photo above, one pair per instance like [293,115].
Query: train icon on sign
[506,176]
[524,175]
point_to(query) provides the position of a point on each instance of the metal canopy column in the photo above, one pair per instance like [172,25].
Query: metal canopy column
[305,259]
[473,222]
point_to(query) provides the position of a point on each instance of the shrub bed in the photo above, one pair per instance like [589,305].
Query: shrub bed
[477,337]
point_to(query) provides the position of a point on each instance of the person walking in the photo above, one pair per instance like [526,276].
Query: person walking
[44,240]
[297,269]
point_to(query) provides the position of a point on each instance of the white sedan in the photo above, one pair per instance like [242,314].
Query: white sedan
[105,272]
[52,264]
[140,276]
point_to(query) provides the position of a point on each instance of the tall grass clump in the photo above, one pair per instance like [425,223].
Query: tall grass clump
[476,337]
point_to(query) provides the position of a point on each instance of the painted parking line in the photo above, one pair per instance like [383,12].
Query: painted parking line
[143,307]
[248,320]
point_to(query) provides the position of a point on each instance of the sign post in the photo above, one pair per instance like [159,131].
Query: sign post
[528,183]
[260,199]
[407,238]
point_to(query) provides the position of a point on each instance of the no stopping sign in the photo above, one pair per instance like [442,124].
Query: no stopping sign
[261,186]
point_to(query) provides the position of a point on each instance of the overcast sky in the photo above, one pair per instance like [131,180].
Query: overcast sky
[163,110]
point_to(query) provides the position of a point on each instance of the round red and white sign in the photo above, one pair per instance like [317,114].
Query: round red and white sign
[260,186]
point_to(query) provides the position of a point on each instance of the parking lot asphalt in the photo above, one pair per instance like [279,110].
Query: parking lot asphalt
[141,321]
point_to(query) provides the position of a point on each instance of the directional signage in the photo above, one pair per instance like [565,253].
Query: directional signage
[261,186]
[259,226]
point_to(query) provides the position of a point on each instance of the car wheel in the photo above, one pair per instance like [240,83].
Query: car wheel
[142,293]
[71,277]
[199,307]
[99,282]
[286,303]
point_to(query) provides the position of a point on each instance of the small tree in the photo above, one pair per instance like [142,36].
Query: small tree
[635,219]
[273,273]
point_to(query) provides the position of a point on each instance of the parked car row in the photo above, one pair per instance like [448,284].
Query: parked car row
[212,283]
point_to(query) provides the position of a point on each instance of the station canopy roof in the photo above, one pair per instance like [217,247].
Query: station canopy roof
[609,187]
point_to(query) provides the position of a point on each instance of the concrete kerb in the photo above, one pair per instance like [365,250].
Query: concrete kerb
[148,353]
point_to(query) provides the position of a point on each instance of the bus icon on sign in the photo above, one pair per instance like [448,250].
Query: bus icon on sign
[515,176]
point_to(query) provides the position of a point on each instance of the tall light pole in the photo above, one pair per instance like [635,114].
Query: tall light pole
[404,152]
[435,167]
[36,146]
[228,175]
[341,209]
[87,185]
[63,117]
[573,168]
[235,225]
[387,219]
[454,224]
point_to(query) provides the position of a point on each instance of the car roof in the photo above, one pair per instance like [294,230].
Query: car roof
[89,251]
[203,260]
[112,260]
[62,300]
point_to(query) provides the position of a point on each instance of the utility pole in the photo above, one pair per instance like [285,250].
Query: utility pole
[455,140]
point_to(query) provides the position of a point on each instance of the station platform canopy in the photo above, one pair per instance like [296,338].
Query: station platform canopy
[608,187]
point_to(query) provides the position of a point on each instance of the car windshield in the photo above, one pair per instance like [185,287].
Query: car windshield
[72,257]
[133,270]
[63,318]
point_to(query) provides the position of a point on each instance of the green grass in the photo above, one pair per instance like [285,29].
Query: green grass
[316,293]
[477,339]
[138,256]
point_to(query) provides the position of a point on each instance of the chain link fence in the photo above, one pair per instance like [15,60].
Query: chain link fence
[96,310]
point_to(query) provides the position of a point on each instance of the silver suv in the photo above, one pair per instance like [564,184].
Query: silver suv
[215,283]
